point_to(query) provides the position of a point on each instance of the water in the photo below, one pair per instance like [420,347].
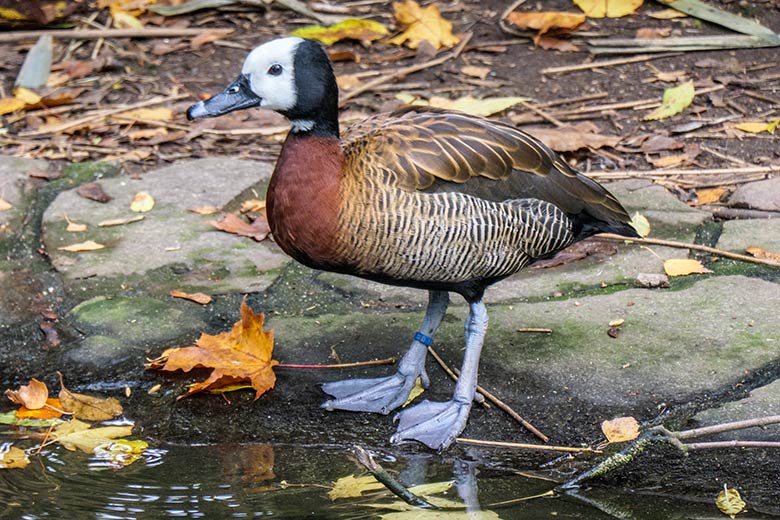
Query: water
[259,481]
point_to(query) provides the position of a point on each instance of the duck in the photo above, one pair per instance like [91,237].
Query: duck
[425,198]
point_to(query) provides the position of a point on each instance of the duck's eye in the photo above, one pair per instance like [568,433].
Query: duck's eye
[275,69]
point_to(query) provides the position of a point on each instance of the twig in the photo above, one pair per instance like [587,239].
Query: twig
[723,427]
[693,247]
[405,71]
[387,361]
[541,113]
[682,44]
[535,329]
[608,63]
[94,34]
[739,213]
[730,444]
[379,473]
[542,447]
[650,174]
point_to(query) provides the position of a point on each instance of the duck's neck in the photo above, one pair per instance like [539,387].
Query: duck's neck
[304,197]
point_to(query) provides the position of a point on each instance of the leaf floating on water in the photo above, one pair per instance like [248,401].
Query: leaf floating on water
[121,452]
[32,395]
[12,457]
[51,410]
[675,100]
[142,202]
[89,245]
[352,486]
[729,502]
[422,24]
[621,429]
[78,435]
[608,8]
[364,31]
[684,267]
[201,298]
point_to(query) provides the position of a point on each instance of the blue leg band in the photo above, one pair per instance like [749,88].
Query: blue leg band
[422,338]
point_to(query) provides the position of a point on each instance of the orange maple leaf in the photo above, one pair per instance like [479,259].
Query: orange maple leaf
[241,355]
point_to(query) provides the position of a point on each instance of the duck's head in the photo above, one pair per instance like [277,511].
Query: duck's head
[292,76]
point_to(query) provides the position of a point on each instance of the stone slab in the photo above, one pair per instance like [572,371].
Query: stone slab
[761,195]
[13,179]
[740,234]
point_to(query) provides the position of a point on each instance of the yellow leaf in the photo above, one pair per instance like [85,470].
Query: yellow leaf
[365,31]
[142,202]
[121,452]
[640,223]
[674,101]
[88,407]
[8,105]
[147,133]
[475,72]
[5,205]
[621,429]
[666,14]
[729,502]
[608,8]
[759,252]
[709,195]
[422,24]
[479,107]
[756,127]
[74,227]
[152,114]
[12,457]
[79,435]
[51,410]
[27,95]
[617,323]
[684,267]
[545,21]
[352,486]
[120,221]
[89,245]
[13,15]
[432,488]
[417,389]
[125,20]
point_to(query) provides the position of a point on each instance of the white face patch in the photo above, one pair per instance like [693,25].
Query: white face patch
[275,88]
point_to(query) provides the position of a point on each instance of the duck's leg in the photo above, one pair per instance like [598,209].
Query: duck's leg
[384,394]
[438,424]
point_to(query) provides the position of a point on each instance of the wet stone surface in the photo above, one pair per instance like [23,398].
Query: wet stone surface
[703,351]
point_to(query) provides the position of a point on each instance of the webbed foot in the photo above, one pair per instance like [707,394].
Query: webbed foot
[380,395]
[434,424]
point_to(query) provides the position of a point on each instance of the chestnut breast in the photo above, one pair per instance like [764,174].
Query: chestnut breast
[304,197]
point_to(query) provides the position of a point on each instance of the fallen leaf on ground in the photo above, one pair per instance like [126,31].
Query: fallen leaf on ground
[684,267]
[365,31]
[757,127]
[199,297]
[348,81]
[422,24]
[89,245]
[608,8]
[256,205]
[352,486]
[672,76]
[94,191]
[32,395]
[51,410]
[545,21]
[675,100]
[230,223]
[621,429]
[151,114]
[573,137]
[709,195]
[205,210]
[142,202]
[125,20]
[120,221]
[242,354]
[762,253]
[417,389]
[78,435]
[121,452]
[479,107]
[640,223]
[653,32]
[88,407]
[729,502]
[5,205]
[147,133]
[12,457]
[475,72]
[666,14]
[556,44]
[74,227]
[8,105]
[207,37]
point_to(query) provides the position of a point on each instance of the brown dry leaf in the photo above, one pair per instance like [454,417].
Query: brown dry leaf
[256,205]
[89,245]
[422,24]
[608,8]
[4,204]
[87,407]
[348,81]
[684,267]
[147,133]
[205,210]
[573,137]
[672,76]
[230,223]
[12,457]
[151,114]
[243,354]
[142,202]
[94,191]
[74,227]
[762,253]
[709,195]
[31,396]
[556,44]
[475,72]
[666,14]
[729,502]
[120,221]
[199,297]
[79,435]
[545,21]
[207,37]
[621,429]
[653,32]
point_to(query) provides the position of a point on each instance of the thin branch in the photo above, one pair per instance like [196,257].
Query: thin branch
[693,247]
[542,447]
[651,174]
[405,71]
[731,444]
[398,489]
[94,34]
[387,361]
[725,427]
[608,63]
